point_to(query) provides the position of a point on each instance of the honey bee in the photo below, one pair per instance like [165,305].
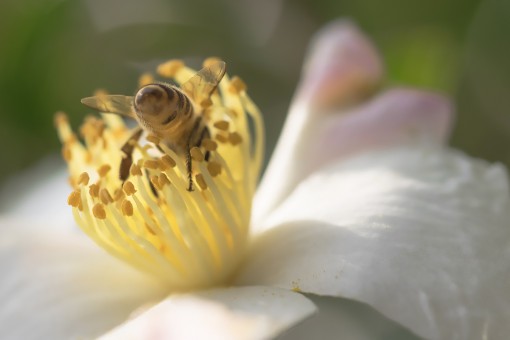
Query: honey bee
[171,113]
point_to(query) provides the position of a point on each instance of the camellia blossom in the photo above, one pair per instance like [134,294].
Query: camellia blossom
[361,200]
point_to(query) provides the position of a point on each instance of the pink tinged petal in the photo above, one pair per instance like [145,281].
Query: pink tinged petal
[342,66]
[223,313]
[61,286]
[420,234]
[395,117]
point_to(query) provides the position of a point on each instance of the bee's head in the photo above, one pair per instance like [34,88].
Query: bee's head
[151,100]
[156,105]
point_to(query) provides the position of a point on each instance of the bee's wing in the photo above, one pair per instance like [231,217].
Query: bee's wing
[119,104]
[201,85]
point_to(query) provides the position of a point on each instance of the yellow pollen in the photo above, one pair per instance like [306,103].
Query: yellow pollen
[66,153]
[163,180]
[237,85]
[84,179]
[206,103]
[170,68]
[153,139]
[138,206]
[209,145]
[118,195]
[127,208]
[209,61]
[155,182]
[129,188]
[135,170]
[145,79]
[221,125]
[103,170]
[220,138]
[99,211]
[105,196]
[100,93]
[196,154]
[74,198]
[151,164]
[94,190]
[201,181]
[235,138]
[60,119]
[214,168]
[167,162]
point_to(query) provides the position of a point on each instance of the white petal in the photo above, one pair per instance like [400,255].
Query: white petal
[39,194]
[395,117]
[61,286]
[223,313]
[346,319]
[422,235]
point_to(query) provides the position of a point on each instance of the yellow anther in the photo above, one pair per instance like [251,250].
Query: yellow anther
[206,103]
[103,170]
[235,138]
[60,119]
[98,211]
[221,138]
[66,153]
[74,198]
[100,93]
[237,85]
[233,112]
[170,68]
[153,139]
[94,190]
[145,79]
[128,188]
[210,61]
[84,179]
[214,168]
[105,196]
[221,125]
[127,208]
[209,145]
[151,164]
[155,182]
[167,162]
[201,181]
[135,170]
[197,154]
[163,180]
[118,195]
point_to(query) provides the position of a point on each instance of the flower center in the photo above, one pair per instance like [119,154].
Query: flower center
[190,239]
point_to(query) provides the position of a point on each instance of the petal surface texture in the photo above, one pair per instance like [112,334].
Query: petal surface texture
[61,286]
[223,314]
[420,233]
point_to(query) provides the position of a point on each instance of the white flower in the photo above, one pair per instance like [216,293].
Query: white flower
[361,200]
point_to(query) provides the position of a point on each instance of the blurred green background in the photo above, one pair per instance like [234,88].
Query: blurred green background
[54,52]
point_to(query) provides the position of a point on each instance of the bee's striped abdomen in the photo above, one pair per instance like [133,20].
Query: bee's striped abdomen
[183,103]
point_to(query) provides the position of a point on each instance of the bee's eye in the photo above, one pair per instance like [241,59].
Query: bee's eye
[150,99]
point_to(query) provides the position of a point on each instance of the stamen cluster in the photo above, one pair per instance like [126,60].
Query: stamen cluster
[189,239]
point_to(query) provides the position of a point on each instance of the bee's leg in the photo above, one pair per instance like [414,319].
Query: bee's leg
[189,168]
[127,149]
